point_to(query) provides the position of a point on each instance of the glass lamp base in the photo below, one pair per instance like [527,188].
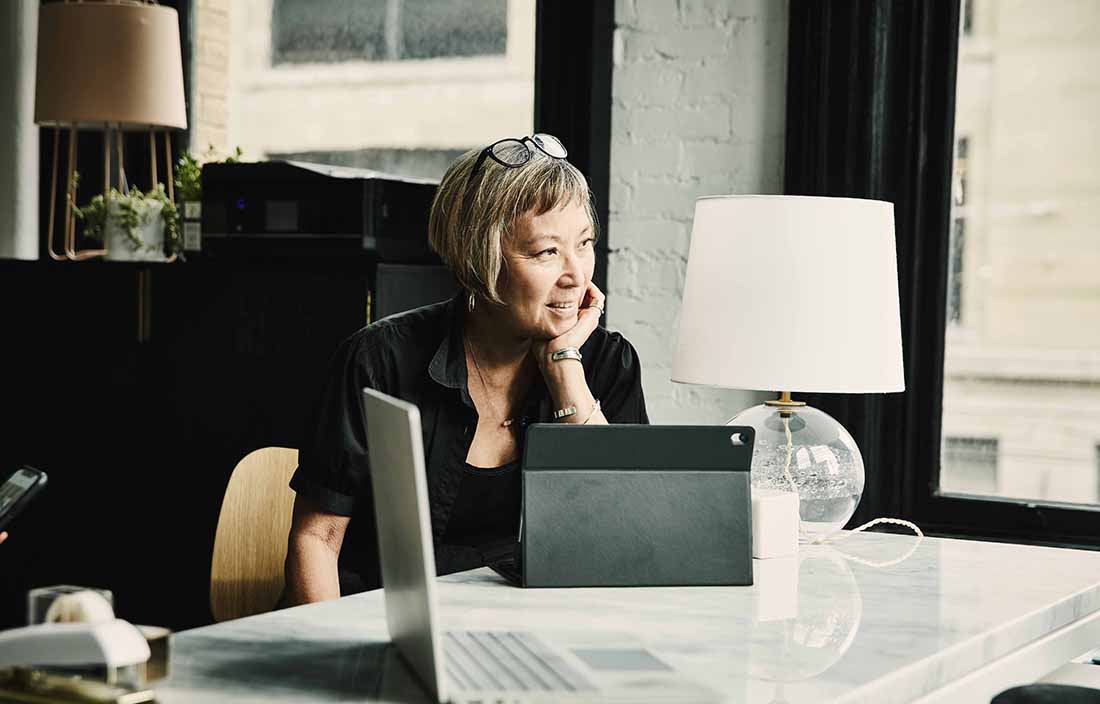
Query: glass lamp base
[802,449]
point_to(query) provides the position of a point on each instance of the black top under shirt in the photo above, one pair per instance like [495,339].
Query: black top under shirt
[486,509]
[418,356]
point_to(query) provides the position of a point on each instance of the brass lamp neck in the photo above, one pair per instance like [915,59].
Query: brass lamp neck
[784,401]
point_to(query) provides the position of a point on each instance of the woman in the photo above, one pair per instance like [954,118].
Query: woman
[519,344]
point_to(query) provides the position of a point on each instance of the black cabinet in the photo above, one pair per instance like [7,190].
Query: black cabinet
[140,426]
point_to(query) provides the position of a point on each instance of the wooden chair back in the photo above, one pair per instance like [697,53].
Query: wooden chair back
[246,573]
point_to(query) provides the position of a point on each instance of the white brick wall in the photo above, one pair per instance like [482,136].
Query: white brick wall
[699,90]
[210,77]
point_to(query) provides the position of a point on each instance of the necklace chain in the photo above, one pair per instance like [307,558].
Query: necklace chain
[506,422]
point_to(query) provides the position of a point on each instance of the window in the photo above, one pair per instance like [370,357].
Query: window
[1022,351]
[960,187]
[968,17]
[398,86]
[418,163]
[955,270]
[386,30]
[969,465]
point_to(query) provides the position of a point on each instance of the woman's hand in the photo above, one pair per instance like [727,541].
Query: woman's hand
[3,537]
[565,378]
[588,317]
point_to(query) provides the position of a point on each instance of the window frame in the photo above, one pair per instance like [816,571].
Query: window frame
[573,57]
[871,113]
[573,67]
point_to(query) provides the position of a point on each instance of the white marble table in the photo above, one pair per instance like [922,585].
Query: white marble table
[955,621]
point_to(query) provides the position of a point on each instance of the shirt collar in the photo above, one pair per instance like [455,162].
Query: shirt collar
[448,366]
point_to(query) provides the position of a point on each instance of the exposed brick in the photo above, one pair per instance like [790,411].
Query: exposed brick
[649,312]
[715,185]
[651,235]
[637,46]
[212,80]
[213,52]
[644,84]
[213,110]
[674,44]
[618,48]
[654,345]
[214,23]
[698,110]
[707,121]
[657,14]
[657,390]
[673,198]
[620,194]
[656,274]
[693,43]
[204,135]
[704,12]
[648,158]
[625,13]
[701,159]
[710,79]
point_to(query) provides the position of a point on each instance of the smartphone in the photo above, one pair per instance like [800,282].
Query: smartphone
[17,492]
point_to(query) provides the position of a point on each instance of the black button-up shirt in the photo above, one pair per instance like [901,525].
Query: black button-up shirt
[419,356]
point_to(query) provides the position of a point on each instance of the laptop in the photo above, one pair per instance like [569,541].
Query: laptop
[492,665]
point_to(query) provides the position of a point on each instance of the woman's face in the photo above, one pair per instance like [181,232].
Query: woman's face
[549,260]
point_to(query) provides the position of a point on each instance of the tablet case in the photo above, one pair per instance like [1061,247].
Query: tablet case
[636,505]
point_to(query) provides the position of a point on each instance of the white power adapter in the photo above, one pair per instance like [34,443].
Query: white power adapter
[774,523]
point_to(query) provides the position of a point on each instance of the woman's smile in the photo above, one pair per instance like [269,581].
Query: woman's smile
[563,309]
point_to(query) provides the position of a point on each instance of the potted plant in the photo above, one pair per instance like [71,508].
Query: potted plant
[189,191]
[189,185]
[134,226]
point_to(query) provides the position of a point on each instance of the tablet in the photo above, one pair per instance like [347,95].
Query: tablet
[635,505]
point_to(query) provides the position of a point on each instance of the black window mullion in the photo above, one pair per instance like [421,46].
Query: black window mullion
[573,65]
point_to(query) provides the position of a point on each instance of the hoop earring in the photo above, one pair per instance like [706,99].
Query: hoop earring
[470,302]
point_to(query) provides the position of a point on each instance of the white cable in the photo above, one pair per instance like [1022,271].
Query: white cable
[839,534]
[787,467]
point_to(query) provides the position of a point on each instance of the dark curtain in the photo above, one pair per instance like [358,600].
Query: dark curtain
[573,44]
[870,114]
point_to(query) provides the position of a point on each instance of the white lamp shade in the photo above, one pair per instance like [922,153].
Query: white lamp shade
[791,293]
[109,62]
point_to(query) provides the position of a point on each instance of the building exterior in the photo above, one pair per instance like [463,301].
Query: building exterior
[402,87]
[1022,361]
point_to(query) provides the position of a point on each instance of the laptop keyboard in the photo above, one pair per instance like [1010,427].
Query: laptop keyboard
[507,661]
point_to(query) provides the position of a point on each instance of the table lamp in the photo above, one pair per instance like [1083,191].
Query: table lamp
[107,65]
[794,294]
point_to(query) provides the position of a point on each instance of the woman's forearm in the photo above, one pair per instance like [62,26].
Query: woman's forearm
[567,385]
[311,571]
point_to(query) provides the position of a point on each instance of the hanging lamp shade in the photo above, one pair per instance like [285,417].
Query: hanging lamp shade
[111,61]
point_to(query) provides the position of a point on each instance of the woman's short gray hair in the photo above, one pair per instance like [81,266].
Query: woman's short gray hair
[468,225]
